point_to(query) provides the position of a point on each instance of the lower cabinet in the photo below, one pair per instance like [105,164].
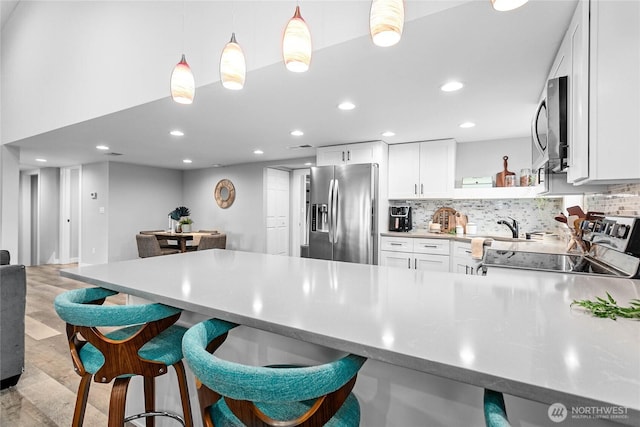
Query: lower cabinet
[427,254]
[415,253]
[462,262]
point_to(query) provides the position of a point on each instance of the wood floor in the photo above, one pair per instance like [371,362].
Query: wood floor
[45,394]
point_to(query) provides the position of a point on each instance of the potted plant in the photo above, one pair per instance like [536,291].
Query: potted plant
[178,214]
[185,224]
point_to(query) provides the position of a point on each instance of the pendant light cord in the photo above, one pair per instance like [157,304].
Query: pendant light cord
[183,8]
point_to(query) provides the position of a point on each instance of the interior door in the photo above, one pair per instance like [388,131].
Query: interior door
[277,218]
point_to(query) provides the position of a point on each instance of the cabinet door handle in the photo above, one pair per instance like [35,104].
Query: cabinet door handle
[348,155]
[409,263]
[343,156]
[421,188]
[415,189]
[415,263]
[395,244]
[466,269]
[429,246]
[468,252]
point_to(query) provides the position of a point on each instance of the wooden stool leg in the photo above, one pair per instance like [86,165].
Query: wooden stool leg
[149,399]
[184,394]
[118,401]
[81,400]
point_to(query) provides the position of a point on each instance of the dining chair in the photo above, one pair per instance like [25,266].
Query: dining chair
[164,243]
[148,246]
[495,413]
[233,394]
[143,340]
[213,241]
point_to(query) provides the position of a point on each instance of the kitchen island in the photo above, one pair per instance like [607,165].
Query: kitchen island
[517,335]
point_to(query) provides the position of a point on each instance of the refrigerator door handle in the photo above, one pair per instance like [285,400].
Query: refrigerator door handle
[330,209]
[334,212]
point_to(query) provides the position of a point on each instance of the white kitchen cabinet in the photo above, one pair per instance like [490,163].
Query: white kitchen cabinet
[461,261]
[364,152]
[415,253]
[422,170]
[601,55]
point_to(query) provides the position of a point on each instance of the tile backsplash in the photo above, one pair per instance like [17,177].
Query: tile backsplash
[532,214]
[620,199]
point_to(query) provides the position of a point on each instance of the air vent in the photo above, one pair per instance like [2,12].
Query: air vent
[298,147]
[113,154]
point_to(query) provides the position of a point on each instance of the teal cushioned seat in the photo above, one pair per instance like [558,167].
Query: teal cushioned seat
[282,392]
[495,414]
[165,348]
[348,415]
[142,340]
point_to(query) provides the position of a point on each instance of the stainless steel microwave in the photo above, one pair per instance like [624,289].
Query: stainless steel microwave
[549,128]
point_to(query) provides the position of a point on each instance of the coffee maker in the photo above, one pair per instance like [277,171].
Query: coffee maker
[399,218]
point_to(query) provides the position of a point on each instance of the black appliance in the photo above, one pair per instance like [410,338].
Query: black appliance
[550,128]
[400,218]
[614,252]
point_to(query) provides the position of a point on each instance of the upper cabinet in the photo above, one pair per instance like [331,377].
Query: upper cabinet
[363,152]
[422,170]
[601,55]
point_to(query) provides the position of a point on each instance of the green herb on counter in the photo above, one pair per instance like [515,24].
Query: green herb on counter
[608,307]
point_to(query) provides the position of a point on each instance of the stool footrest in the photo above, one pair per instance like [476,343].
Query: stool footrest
[156,414]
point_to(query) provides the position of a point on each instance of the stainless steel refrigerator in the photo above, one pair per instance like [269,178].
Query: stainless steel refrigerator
[344,213]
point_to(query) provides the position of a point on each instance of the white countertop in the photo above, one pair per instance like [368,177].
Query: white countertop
[515,333]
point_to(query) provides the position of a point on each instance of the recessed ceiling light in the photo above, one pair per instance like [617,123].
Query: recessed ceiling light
[297,132]
[346,106]
[388,133]
[176,132]
[216,165]
[187,161]
[308,164]
[102,147]
[467,125]
[451,86]
[258,151]
[41,160]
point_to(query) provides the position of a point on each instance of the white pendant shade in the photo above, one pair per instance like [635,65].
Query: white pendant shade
[504,5]
[233,67]
[296,44]
[182,83]
[386,22]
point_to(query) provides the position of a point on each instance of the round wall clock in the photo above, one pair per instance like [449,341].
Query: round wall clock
[225,193]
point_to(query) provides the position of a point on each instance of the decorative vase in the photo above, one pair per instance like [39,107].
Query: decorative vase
[178,228]
[186,228]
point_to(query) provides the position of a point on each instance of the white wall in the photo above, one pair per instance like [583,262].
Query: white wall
[9,206]
[140,198]
[484,158]
[122,53]
[243,221]
[94,228]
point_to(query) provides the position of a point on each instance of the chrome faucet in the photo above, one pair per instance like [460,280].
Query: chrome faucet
[514,226]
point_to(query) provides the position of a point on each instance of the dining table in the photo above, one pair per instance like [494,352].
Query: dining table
[181,238]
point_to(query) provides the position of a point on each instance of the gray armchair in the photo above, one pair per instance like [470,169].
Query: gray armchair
[148,246]
[13,294]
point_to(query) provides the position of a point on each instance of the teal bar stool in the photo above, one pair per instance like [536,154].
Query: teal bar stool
[232,394]
[147,349]
[495,414]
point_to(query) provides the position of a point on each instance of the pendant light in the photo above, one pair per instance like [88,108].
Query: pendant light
[386,21]
[233,67]
[504,5]
[182,82]
[296,44]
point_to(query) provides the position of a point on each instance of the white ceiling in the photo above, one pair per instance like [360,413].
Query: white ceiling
[503,59]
